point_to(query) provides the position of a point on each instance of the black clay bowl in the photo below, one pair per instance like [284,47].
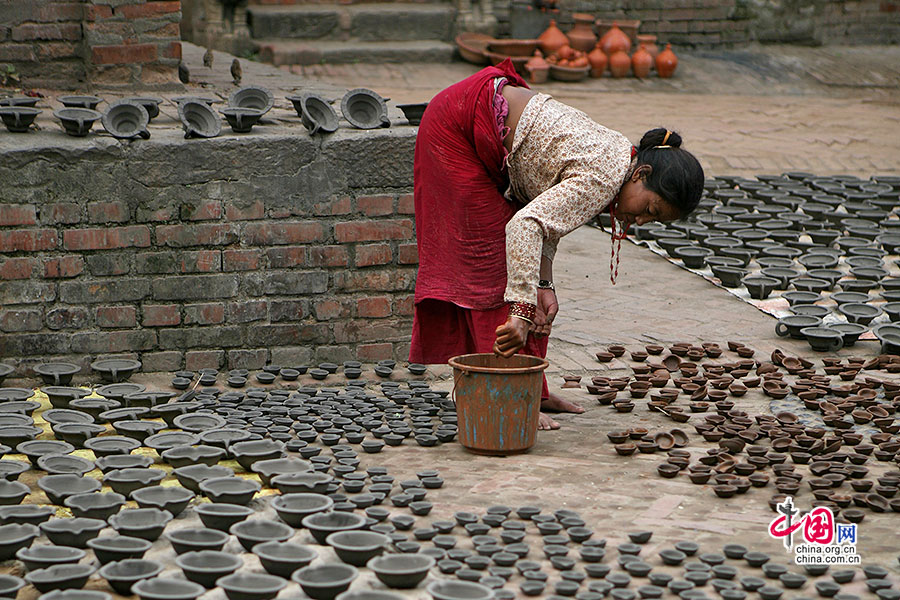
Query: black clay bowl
[13,435]
[191,476]
[41,557]
[293,508]
[72,532]
[198,422]
[230,490]
[171,439]
[357,547]
[118,547]
[11,469]
[13,537]
[126,481]
[171,498]
[123,574]
[195,539]
[251,586]
[144,523]
[138,429]
[183,456]
[289,483]
[401,571]
[34,449]
[222,516]
[12,492]
[25,514]
[160,588]
[324,582]
[283,558]
[250,452]
[369,595]
[256,531]
[321,525]
[267,469]
[18,118]
[59,464]
[76,595]
[459,590]
[111,445]
[10,586]
[60,577]
[207,566]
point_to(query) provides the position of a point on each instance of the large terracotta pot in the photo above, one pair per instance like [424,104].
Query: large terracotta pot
[552,39]
[537,68]
[581,37]
[598,60]
[649,42]
[666,62]
[641,63]
[619,64]
[615,40]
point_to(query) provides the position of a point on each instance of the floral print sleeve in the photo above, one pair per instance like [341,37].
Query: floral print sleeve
[568,169]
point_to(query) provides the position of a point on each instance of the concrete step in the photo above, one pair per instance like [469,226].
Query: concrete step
[295,52]
[363,22]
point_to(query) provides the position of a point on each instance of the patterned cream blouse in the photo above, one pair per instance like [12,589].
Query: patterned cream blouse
[566,169]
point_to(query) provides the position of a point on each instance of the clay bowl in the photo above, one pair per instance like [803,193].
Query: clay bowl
[171,498]
[192,476]
[95,505]
[72,532]
[18,119]
[137,429]
[449,589]
[326,581]
[230,490]
[60,577]
[252,532]
[198,120]
[251,586]
[267,469]
[369,595]
[192,539]
[126,481]
[401,571]
[123,461]
[315,482]
[322,524]
[823,339]
[247,453]
[293,508]
[14,537]
[222,516]
[118,547]
[144,523]
[357,547]
[11,469]
[13,435]
[760,287]
[183,456]
[25,514]
[41,557]
[205,567]
[78,433]
[10,586]
[123,574]
[60,487]
[160,588]
[283,558]
[560,73]
[12,492]
[58,464]
[111,445]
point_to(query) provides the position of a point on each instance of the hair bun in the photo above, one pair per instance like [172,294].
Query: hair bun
[660,137]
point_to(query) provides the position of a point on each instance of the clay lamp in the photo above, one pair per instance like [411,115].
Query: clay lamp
[616,350]
[252,97]
[144,523]
[161,588]
[326,581]
[125,119]
[60,577]
[198,119]
[18,119]
[365,109]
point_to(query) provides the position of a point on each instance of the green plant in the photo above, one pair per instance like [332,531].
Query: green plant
[9,76]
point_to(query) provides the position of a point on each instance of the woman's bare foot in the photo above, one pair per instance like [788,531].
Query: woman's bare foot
[545,422]
[557,404]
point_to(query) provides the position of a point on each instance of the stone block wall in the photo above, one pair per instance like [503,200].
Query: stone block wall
[219,253]
[70,44]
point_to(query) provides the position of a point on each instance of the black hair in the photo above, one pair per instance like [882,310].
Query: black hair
[676,174]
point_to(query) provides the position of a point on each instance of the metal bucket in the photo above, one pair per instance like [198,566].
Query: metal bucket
[498,401]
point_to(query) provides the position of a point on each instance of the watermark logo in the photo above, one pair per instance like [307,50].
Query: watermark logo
[824,541]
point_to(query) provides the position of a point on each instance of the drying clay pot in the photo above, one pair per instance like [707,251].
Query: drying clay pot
[95,505]
[170,498]
[402,571]
[321,525]
[198,120]
[230,490]
[365,109]
[144,523]
[60,487]
[357,547]
[195,539]
[325,582]
[14,537]
[125,119]
[293,508]
[72,532]
[222,516]
[60,577]
[316,113]
[18,119]
[252,532]
[160,588]
[207,566]
[283,558]
[123,574]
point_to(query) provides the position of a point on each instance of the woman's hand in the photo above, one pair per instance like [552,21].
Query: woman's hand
[511,337]
[547,307]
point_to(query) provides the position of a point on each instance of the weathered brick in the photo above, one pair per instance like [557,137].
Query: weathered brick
[375,206]
[108,212]
[27,240]
[17,268]
[280,233]
[407,254]
[330,308]
[160,315]
[376,307]
[204,359]
[27,291]
[240,260]
[245,210]
[335,354]
[291,355]
[373,231]
[135,236]
[12,215]
[170,50]
[204,314]
[17,52]
[204,210]
[103,291]
[288,335]
[123,54]
[204,234]
[34,344]
[64,266]
[145,10]
[404,306]
[338,206]
[104,342]
[327,256]
[108,264]
[406,205]
[60,11]
[61,213]
[201,261]
[374,352]
[68,317]
[288,310]
[20,320]
[201,337]
[165,362]
[156,263]
[392,280]
[116,317]
[373,254]
[247,311]
[365,331]
[31,32]
[195,287]
[248,359]
[286,257]
[296,282]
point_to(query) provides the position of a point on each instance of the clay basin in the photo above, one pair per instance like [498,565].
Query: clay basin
[18,119]
[13,435]
[293,508]
[413,114]
[322,524]
[10,586]
[401,571]
[222,516]
[791,325]
[850,332]
[183,456]
[123,574]
[160,588]
[58,416]
[126,481]
[77,122]
[267,469]
[60,487]
[12,492]
[125,119]
[95,505]
[57,464]
[171,498]
[859,312]
[251,586]
[191,476]
[823,339]
[14,537]
[514,47]
[250,452]
[137,429]
[760,287]
[111,445]
[41,557]
[326,581]
[198,422]
[207,566]
[250,533]
[144,523]
[312,482]
[59,374]
[230,490]
[283,558]
[195,539]
[357,547]
[72,532]
[118,547]
[78,434]
[459,590]
[60,577]
[123,461]
[25,514]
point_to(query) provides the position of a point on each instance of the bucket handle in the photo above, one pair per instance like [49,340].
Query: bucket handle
[459,373]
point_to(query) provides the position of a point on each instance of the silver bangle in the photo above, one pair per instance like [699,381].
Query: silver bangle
[546,284]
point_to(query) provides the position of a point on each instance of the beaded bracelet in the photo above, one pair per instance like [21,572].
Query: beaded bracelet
[523,311]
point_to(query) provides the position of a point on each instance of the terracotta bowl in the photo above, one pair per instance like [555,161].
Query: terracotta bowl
[524,48]
[472,46]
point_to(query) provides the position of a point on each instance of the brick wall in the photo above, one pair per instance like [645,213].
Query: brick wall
[218,253]
[68,44]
